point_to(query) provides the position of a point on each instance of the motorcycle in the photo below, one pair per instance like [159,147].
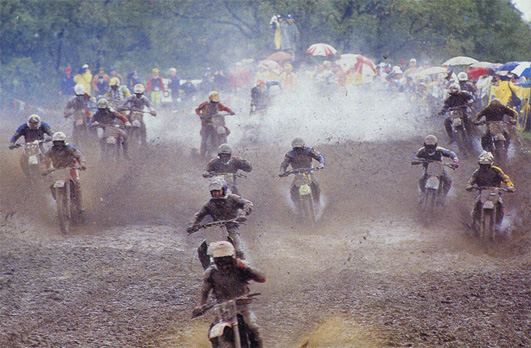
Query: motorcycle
[460,127]
[216,134]
[228,328]
[136,134]
[433,188]
[498,141]
[302,181]
[30,161]
[202,251]
[112,140]
[487,204]
[230,179]
[82,135]
[63,193]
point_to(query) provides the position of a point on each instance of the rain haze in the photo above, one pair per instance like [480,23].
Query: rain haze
[368,263]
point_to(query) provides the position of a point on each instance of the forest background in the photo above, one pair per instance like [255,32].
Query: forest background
[39,38]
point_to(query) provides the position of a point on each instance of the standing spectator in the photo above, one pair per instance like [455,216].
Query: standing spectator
[412,68]
[287,78]
[100,82]
[174,84]
[221,81]
[155,87]
[132,80]
[189,91]
[239,77]
[403,64]
[84,77]
[275,26]
[289,35]
[67,84]
[114,73]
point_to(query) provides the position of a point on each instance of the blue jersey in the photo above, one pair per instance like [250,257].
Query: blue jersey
[32,134]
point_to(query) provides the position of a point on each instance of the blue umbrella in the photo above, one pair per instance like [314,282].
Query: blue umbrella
[507,67]
[523,69]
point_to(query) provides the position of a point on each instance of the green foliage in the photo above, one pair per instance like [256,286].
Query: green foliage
[40,38]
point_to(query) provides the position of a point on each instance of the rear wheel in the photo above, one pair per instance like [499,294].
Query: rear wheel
[500,151]
[460,139]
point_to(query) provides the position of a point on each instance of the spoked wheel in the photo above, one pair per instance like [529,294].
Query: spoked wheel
[488,225]
[63,211]
[428,205]
[135,139]
[460,139]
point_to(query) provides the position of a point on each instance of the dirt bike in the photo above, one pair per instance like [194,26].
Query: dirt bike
[82,135]
[112,140]
[461,131]
[30,161]
[216,134]
[433,189]
[498,142]
[63,193]
[202,251]
[136,134]
[228,329]
[230,179]
[486,208]
[302,181]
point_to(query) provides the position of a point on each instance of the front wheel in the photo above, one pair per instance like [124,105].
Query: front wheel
[63,213]
[306,208]
[462,142]
[488,225]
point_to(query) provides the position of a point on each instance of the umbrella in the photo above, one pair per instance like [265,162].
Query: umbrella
[363,68]
[460,60]
[474,73]
[480,65]
[272,65]
[523,69]
[430,71]
[321,49]
[507,68]
[280,56]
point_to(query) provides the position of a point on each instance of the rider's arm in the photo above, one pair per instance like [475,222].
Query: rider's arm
[242,164]
[199,109]
[251,272]
[244,204]
[472,180]
[120,117]
[505,178]
[47,129]
[225,108]
[204,211]
[317,156]
[206,288]
[416,159]
[448,153]
[18,134]
[77,155]
[285,163]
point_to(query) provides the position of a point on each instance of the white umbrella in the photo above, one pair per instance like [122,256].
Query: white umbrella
[460,60]
[430,71]
[522,69]
[321,49]
[481,65]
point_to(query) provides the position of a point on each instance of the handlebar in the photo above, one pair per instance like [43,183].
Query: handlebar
[301,171]
[503,189]
[449,165]
[236,175]
[239,300]
[220,223]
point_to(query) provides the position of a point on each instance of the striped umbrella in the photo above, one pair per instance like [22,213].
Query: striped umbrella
[321,49]
[522,69]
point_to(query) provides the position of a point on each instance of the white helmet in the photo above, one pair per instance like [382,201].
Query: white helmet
[224,149]
[221,249]
[462,76]
[454,88]
[430,140]
[79,89]
[59,136]
[486,158]
[173,70]
[139,88]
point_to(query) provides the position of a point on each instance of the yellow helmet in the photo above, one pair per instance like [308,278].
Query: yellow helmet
[288,66]
[156,70]
[214,97]
[114,82]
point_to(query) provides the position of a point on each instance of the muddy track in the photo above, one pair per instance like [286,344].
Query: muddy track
[369,274]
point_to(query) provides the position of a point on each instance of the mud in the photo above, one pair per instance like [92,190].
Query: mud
[369,274]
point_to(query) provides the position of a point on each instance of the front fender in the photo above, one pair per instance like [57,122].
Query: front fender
[218,330]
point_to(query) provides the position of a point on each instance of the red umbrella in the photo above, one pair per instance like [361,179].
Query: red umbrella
[321,49]
[280,56]
[271,65]
[475,73]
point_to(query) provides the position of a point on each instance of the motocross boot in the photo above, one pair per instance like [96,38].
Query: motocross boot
[449,130]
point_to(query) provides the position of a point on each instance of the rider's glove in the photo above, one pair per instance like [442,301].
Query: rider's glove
[469,187]
[94,124]
[241,263]
[320,166]
[511,189]
[241,218]
[198,310]
[456,164]
[192,229]
[207,175]
[232,112]
[66,115]
[442,112]
[153,113]
[282,174]
[83,166]
[12,146]
[127,124]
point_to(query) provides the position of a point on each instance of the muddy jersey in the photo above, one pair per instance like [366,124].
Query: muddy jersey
[493,112]
[107,117]
[67,156]
[492,177]
[227,286]
[32,134]
[206,110]
[301,159]
[459,99]
[232,166]
[224,208]
[132,102]
[77,103]
[438,155]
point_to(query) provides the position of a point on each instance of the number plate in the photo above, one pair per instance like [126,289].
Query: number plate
[305,190]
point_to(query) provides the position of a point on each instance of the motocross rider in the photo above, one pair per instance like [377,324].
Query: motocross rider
[226,163]
[64,155]
[116,93]
[205,111]
[465,84]
[456,98]
[137,102]
[106,116]
[494,112]
[432,152]
[228,278]
[301,157]
[488,175]
[33,129]
[78,102]
[222,206]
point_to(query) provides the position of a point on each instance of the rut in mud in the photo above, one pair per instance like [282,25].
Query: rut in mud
[369,274]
